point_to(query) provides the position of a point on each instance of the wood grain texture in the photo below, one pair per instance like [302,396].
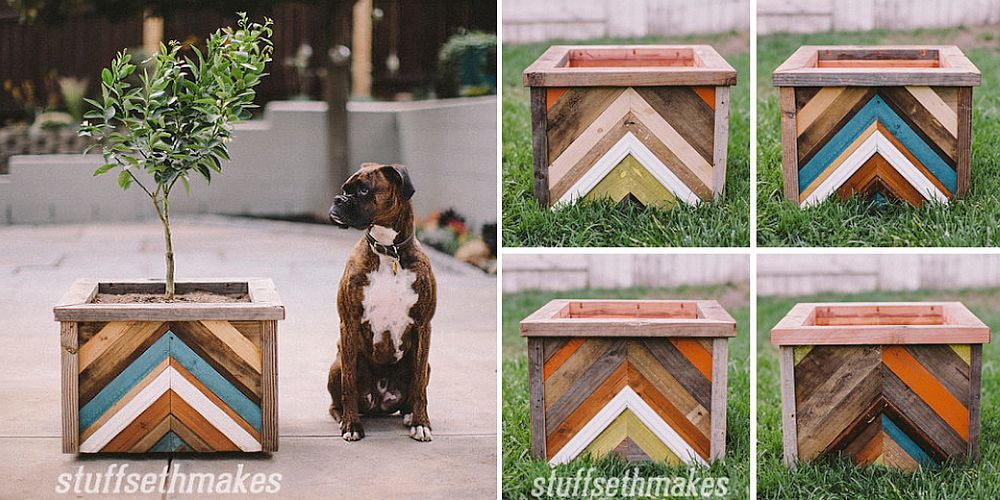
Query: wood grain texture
[789,145]
[964,153]
[975,392]
[108,400]
[69,388]
[539,146]
[789,437]
[720,142]
[720,359]
[536,397]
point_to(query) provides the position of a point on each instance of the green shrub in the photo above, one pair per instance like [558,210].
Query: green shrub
[467,65]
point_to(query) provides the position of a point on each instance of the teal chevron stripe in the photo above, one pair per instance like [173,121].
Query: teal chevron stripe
[877,110]
[125,381]
[170,442]
[216,383]
[907,444]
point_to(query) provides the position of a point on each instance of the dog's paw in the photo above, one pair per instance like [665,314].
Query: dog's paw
[407,419]
[420,432]
[351,431]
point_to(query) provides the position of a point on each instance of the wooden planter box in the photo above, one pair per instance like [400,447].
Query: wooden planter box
[644,123]
[890,383]
[644,379]
[881,121]
[163,377]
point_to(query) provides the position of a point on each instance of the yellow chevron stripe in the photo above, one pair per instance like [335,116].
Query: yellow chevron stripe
[800,352]
[627,425]
[630,177]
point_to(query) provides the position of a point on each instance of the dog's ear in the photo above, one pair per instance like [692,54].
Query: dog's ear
[399,175]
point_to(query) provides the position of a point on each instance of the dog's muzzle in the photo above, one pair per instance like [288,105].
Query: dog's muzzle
[339,202]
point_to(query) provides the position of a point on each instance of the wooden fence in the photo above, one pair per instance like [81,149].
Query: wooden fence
[577,271]
[527,21]
[789,275]
[413,30]
[814,16]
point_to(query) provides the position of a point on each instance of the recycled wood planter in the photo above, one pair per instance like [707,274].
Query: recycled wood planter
[644,379]
[164,377]
[891,383]
[881,121]
[645,123]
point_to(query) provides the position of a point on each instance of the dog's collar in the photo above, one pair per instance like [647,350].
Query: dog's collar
[392,250]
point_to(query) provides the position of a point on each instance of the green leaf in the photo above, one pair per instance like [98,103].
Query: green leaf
[104,168]
[187,185]
[124,179]
[107,77]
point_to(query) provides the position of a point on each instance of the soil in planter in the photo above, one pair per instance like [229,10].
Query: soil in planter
[196,296]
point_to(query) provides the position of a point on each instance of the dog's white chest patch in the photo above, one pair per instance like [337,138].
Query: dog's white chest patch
[388,298]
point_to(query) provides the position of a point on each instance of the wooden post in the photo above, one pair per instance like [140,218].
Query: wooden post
[361,46]
[70,388]
[720,363]
[720,141]
[152,32]
[336,92]
[539,145]
[789,151]
[788,430]
[536,360]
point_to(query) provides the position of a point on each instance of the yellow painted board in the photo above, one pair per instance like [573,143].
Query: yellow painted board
[630,177]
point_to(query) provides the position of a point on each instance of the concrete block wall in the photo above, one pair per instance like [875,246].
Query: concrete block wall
[279,167]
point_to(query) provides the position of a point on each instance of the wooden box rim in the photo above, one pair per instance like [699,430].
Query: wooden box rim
[712,321]
[550,69]
[959,326]
[264,305]
[800,70]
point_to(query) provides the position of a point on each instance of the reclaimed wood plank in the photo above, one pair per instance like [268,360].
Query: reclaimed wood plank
[536,397]
[69,387]
[720,358]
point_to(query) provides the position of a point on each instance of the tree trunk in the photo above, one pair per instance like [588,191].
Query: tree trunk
[169,251]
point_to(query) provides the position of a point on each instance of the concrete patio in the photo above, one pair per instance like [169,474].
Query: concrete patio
[38,263]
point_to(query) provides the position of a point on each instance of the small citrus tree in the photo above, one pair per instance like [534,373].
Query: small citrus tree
[179,118]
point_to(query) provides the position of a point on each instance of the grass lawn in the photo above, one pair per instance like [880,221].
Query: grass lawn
[520,470]
[972,221]
[836,478]
[603,223]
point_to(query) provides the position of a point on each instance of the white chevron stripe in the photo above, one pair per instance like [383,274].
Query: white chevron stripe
[628,144]
[212,413]
[876,143]
[626,398]
[120,420]
[170,380]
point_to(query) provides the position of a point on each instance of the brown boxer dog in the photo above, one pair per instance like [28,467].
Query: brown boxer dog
[386,300]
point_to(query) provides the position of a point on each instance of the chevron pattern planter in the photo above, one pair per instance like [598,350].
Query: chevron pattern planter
[896,384]
[195,377]
[644,123]
[643,379]
[880,121]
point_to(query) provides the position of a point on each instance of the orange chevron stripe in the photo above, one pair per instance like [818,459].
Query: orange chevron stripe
[668,412]
[706,94]
[138,428]
[871,450]
[597,400]
[215,399]
[928,388]
[696,354]
[561,356]
[195,422]
[909,156]
[552,94]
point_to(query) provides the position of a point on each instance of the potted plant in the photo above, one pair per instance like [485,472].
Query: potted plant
[158,365]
